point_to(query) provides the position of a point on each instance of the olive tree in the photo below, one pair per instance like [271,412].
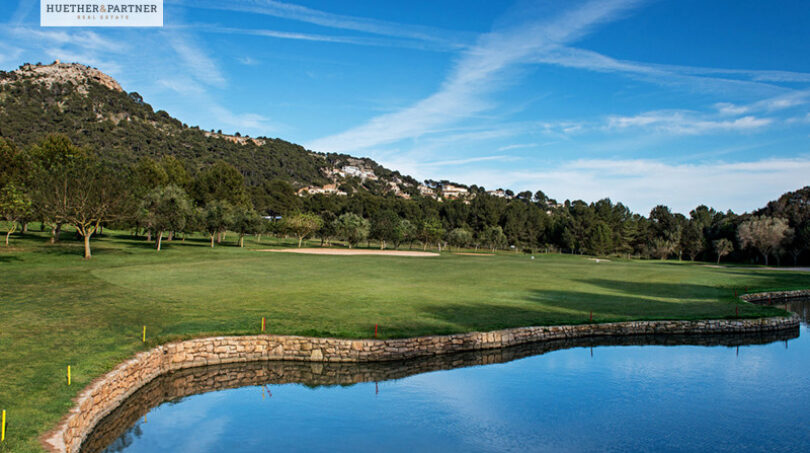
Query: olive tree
[430,230]
[460,237]
[216,218]
[303,225]
[765,234]
[247,221]
[722,247]
[384,227]
[14,205]
[84,194]
[352,228]
[404,231]
[166,209]
[494,237]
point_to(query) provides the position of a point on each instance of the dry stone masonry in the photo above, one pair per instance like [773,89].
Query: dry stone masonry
[109,391]
[192,381]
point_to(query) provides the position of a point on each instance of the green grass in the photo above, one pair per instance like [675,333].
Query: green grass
[58,310]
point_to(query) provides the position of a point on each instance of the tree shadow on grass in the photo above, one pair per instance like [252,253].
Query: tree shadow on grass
[658,289]
[8,258]
[552,307]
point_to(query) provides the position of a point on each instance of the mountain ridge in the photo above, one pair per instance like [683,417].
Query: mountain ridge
[92,109]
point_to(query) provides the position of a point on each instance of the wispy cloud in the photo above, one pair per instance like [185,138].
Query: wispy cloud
[681,122]
[695,78]
[477,73]
[314,37]
[470,160]
[289,11]
[518,146]
[87,40]
[247,61]
[202,67]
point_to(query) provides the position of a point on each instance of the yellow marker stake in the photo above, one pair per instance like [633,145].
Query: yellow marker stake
[68,374]
[144,334]
[3,428]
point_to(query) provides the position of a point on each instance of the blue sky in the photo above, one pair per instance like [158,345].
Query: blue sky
[646,102]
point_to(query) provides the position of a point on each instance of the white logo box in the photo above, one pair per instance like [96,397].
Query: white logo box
[101,13]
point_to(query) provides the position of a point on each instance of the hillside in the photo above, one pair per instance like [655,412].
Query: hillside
[93,109]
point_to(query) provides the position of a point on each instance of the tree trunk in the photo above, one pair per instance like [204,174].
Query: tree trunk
[241,240]
[212,241]
[718,258]
[159,240]
[87,254]
[148,235]
[10,230]
[300,240]
[171,236]
[382,244]
[24,227]
[58,232]
[765,255]
[259,238]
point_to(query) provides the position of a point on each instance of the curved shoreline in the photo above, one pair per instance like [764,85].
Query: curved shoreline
[180,384]
[107,392]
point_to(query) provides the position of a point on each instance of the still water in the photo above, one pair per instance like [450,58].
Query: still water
[718,393]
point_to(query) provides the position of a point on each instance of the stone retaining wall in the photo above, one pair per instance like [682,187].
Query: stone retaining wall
[193,381]
[109,391]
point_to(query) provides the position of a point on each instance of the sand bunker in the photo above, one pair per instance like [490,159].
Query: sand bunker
[474,254]
[326,251]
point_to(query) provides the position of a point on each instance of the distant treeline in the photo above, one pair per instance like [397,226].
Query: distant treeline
[59,183]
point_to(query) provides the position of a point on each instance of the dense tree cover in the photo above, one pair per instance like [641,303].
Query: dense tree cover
[58,183]
[127,130]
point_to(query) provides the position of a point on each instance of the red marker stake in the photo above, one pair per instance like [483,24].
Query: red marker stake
[375,330]
[591,316]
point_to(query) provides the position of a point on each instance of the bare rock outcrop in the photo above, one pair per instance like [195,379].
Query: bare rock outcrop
[58,72]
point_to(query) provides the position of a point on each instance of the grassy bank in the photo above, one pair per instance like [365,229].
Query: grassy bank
[58,310]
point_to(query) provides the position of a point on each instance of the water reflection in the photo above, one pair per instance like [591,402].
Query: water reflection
[118,431]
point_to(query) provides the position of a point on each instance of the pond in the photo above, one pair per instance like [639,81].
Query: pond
[684,393]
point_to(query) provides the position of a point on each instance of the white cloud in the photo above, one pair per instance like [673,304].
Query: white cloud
[247,61]
[335,39]
[727,108]
[699,79]
[480,71]
[86,40]
[300,13]
[469,160]
[643,183]
[685,123]
[199,64]
[518,146]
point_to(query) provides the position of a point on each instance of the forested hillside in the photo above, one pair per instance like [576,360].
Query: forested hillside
[147,171]
[123,128]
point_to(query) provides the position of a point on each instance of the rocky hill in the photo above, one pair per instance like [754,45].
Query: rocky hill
[94,110]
